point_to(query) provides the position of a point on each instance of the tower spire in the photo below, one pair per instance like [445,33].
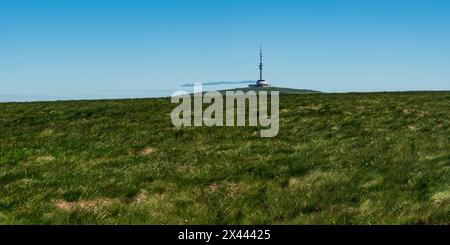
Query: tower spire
[261,62]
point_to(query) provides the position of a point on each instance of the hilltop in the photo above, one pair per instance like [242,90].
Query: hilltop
[374,158]
[281,90]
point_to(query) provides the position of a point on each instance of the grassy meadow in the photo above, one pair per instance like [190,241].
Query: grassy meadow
[373,158]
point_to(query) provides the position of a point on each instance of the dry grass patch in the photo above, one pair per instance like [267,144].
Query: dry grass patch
[311,107]
[146,151]
[25,181]
[46,158]
[238,189]
[441,198]
[366,207]
[90,205]
[372,183]
[316,178]
[46,132]
[140,198]
[294,182]
[214,187]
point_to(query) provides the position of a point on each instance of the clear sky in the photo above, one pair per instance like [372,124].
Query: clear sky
[101,48]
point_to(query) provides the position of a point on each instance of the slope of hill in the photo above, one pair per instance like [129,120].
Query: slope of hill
[281,90]
[381,158]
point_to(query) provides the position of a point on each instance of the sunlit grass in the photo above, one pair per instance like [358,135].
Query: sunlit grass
[339,159]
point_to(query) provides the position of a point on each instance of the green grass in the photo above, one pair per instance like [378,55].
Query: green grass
[381,158]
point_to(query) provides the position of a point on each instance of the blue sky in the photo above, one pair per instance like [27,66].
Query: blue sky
[137,48]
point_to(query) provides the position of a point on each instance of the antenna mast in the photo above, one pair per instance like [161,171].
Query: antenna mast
[260,63]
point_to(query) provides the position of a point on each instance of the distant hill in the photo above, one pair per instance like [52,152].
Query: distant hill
[268,89]
[281,90]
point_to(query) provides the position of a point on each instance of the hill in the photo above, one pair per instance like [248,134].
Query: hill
[281,90]
[375,158]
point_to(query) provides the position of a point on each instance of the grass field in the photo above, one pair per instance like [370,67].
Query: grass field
[381,158]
